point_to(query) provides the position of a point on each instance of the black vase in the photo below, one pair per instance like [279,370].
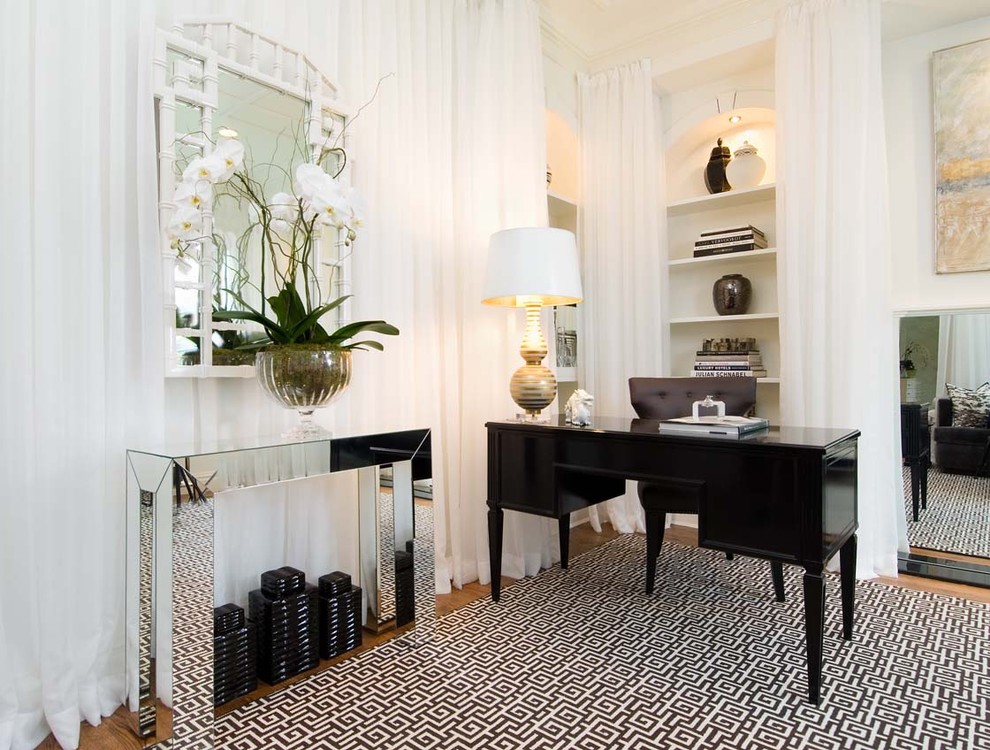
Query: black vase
[715,179]
[731,294]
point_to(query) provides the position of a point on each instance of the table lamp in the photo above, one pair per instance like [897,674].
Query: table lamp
[532,267]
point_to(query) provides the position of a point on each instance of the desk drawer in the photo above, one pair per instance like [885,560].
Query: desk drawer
[525,472]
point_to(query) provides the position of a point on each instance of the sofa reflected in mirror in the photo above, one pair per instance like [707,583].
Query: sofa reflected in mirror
[959,449]
[948,532]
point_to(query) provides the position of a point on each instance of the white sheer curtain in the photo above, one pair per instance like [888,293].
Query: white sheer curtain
[838,342]
[82,370]
[451,150]
[963,350]
[623,251]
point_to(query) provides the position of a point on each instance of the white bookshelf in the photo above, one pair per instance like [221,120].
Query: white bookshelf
[692,312]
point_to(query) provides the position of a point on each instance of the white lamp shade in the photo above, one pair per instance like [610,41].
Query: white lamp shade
[532,265]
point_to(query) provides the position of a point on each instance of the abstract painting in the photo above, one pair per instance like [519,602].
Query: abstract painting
[961,83]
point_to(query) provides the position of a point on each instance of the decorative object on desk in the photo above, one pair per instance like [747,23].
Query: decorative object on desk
[715,171]
[731,294]
[532,267]
[962,158]
[731,240]
[302,365]
[746,168]
[578,409]
[708,404]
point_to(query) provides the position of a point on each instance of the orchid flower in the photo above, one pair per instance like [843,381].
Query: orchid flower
[208,169]
[331,206]
[186,224]
[196,194]
[231,151]
[310,180]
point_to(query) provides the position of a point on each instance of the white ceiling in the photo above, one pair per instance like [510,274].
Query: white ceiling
[607,32]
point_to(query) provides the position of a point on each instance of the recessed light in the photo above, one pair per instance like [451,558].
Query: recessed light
[227,132]
[734,119]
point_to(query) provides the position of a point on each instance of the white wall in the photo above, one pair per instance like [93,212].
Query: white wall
[911,173]
[560,68]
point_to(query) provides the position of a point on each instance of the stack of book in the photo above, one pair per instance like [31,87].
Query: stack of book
[731,240]
[726,364]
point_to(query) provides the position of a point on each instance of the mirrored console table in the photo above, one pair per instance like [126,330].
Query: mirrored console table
[170,575]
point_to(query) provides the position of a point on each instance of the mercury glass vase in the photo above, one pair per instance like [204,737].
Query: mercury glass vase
[305,378]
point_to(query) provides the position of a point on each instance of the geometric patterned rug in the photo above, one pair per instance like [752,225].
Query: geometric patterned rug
[958,515]
[584,659]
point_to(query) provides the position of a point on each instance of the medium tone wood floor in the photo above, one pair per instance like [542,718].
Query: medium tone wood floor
[115,733]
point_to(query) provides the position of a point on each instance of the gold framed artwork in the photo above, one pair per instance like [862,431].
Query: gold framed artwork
[961,90]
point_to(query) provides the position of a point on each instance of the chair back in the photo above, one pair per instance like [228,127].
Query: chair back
[669,398]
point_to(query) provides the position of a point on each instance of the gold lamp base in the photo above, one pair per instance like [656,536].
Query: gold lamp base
[533,386]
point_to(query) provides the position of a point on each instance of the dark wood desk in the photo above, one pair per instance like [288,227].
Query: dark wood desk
[787,495]
[915,449]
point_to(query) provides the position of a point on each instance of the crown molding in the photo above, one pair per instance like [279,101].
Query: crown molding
[674,29]
[594,61]
[554,35]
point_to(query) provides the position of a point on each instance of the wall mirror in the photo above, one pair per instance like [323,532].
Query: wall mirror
[950,537]
[212,78]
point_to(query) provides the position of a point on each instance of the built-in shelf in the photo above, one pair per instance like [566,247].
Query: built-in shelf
[718,201]
[724,318]
[749,255]
[566,374]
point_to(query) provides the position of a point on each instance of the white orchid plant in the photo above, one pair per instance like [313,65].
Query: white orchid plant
[287,227]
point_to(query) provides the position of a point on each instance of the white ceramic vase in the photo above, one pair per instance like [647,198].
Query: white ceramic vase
[746,168]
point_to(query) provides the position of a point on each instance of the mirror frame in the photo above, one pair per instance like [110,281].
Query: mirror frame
[212,45]
[936,565]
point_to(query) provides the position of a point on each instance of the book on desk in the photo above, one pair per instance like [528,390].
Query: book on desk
[714,425]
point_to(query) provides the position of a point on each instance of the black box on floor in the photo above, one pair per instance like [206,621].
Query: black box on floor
[282,581]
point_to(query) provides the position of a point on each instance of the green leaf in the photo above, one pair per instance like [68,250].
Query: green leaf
[308,322]
[275,331]
[288,307]
[373,326]
[370,344]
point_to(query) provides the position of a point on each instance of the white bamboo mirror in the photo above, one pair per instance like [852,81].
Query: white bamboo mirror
[215,77]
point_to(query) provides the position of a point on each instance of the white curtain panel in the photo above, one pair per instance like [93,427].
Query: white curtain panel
[622,224]
[838,337]
[964,359]
[82,370]
[451,150]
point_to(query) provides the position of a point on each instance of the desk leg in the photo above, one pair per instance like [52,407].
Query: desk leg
[847,572]
[564,532]
[495,549]
[814,624]
[915,487]
[777,574]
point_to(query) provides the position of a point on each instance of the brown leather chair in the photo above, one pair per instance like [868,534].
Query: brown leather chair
[669,398]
